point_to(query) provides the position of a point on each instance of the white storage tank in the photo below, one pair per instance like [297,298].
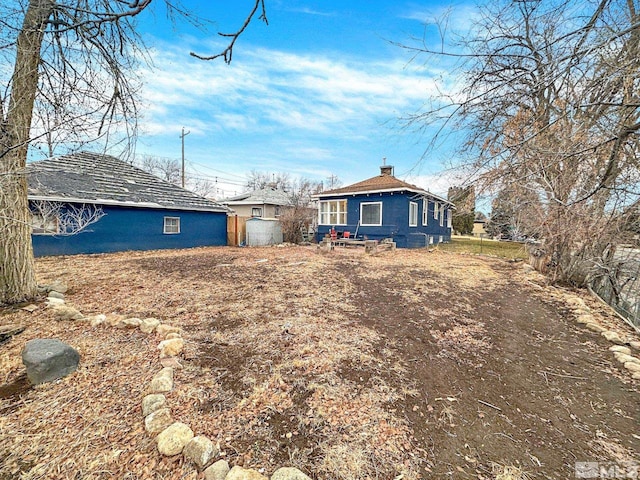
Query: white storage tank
[263,231]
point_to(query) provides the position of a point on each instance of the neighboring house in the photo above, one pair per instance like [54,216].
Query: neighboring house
[130,208]
[265,203]
[385,207]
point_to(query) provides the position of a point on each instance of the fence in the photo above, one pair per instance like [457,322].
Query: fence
[620,286]
[236,230]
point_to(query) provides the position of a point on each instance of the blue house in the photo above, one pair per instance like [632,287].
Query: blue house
[385,207]
[93,203]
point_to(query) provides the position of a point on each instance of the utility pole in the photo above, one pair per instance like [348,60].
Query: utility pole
[182,138]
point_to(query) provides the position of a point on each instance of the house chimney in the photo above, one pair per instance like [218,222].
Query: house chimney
[386,169]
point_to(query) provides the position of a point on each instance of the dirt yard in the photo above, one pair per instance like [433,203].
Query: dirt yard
[404,365]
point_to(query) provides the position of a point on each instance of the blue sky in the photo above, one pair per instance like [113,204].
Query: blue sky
[316,92]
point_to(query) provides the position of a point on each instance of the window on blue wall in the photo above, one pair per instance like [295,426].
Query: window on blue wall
[435,210]
[171,225]
[442,215]
[449,218]
[371,213]
[413,214]
[425,211]
[333,212]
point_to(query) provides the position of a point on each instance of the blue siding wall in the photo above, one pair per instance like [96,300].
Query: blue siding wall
[124,228]
[395,221]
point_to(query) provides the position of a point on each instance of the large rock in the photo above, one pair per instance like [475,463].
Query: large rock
[632,367]
[217,471]
[239,473]
[164,329]
[174,438]
[620,349]
[64,312]
[153,402]
[148,325]
[171,348]
[48,359]
[613,337]
[157,421]
[54,294]
[129,323]
[200,450]
[289,473]
[162,381]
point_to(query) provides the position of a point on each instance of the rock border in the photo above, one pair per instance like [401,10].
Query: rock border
[172,437]
[624,345]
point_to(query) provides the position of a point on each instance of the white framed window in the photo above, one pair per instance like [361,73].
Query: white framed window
[171,225]
[371,213]
[42,225]
[333,212]
[413,214]
[277,211]
[449,218]
[442,215]
[425,211]
[435,210]
[256,212]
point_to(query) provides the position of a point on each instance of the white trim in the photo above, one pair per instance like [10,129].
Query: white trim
[425,212]
[362,224]
[164,227]
[338,213]
[442,215]
[436,209]
[415,205]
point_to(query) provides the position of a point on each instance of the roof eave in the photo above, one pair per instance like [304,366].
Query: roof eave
[384,190]
[116,203]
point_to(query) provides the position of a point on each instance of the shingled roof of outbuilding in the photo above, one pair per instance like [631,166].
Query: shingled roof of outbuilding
[267,195]
[95,178]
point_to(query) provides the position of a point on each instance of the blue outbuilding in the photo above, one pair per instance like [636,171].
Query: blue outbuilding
[94,203]
[384,207]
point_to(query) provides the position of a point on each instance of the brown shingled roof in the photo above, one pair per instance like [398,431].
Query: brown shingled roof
[379,182]
[383,182]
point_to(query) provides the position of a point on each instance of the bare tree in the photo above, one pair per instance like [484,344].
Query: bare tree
[258,180]
[63,220]
[75,58]
[550,107]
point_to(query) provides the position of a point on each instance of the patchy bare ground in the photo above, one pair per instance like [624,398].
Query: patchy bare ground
[426,365]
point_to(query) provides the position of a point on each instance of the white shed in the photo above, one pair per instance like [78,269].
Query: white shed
[263,231]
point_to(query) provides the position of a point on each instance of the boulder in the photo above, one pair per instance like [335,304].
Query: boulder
[171,348]
[48,359]
[585,318]
[157,421]
[64,312]
[52,302]
[289,473]
[217,471]
[153,402]
[96,320]
[148,325]
[162,381]
[129,323]
[594,327]
[163,330]
[620,349]
[239,473]
[173,439]
[57,286]
[54,294]
[200,450]
[635,344]
[633,367]
[612,337]
[172,335]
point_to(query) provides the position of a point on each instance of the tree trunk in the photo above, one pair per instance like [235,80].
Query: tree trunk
[17,273]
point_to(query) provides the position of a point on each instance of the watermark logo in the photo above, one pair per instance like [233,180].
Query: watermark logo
[607,470]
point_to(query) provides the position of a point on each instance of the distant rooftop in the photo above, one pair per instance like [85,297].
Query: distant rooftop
[95,178]
[263,196]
